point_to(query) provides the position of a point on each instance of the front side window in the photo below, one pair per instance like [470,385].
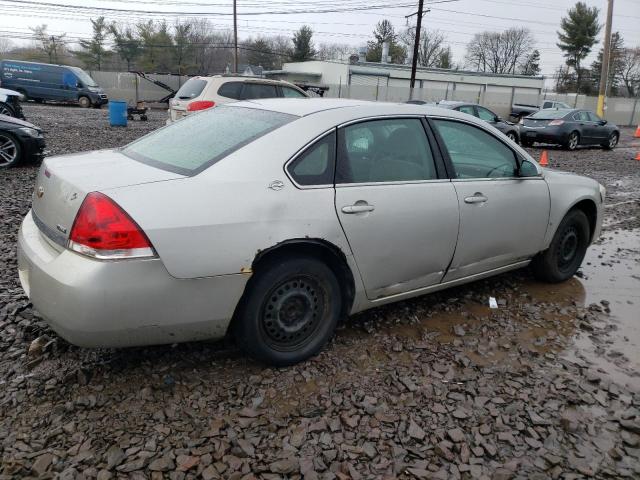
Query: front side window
[582,117]
[475,153]
[467,109]
[289,92]
[315,165]
[394,150]
[259,90]
[198,141]
[593,117]
[486,115]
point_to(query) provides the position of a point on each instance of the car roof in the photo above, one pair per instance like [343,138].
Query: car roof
[308,106]
[243,78]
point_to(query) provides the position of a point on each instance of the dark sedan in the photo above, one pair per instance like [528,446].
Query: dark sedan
[508,128]
[19,141]
[569,128]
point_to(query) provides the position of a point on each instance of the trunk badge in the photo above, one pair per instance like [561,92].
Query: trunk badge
[276,185]
[61,228]
[40,191]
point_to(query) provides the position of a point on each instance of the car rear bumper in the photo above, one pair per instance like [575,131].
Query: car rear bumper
[121,303]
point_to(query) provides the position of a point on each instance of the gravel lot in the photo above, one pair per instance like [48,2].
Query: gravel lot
[545,386]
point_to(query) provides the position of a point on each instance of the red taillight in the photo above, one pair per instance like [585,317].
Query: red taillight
[200,105]
[104,230]
[555,123]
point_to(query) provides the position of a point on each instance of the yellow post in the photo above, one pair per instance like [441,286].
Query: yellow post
[600,107]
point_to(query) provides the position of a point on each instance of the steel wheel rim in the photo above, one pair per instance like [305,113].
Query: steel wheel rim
[573,141]
[292,312]
[613,140]
[8,150]
[568,248]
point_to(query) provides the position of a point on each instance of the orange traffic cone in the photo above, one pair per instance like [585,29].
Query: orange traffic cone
[637,156]
[544,159]
[637,134]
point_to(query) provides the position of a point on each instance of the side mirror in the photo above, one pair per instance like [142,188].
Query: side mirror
[602,122]
[497,118]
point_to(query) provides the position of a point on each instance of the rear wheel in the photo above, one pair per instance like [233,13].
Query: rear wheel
[572,141]
[6,109]
[84,102]
[567,250]
[10,150]
[611,142]
[289,312]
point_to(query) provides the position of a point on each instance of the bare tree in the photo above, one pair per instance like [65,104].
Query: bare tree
[334,51]
[499,52]
[52,45]
[431,49]
[6,45]
[630,70]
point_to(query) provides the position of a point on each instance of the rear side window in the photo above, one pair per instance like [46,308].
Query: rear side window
[289,92]
[198,141]
[475,153]
[231,90]
[259,90]
[315,165]
[191,89]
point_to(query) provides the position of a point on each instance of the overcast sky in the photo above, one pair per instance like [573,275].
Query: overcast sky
[458,20]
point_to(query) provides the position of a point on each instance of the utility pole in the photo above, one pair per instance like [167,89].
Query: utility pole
[604,71]
[416,48]
[235,38]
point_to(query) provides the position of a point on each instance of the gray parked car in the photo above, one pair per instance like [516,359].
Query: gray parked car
[273,219]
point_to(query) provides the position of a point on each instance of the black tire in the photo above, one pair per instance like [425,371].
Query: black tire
[611,142]
[289,311]
[10,150]
[144,118]
[573,140]
[6,109]
[84,102]
[567,250]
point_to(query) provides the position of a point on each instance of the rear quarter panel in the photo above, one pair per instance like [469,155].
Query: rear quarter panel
[215,223]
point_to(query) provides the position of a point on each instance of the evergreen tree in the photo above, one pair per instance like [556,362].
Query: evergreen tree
[302,45]
[445,59]
[532,64]
[578,36]
[616,65]
[126,43]
[384,32]
[93,51]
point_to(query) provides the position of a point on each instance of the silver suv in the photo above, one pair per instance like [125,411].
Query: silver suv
[200,93]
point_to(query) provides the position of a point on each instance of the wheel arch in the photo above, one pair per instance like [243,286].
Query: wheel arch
[317,248]
[589,208]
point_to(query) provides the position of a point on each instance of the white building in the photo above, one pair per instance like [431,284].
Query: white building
[390,82]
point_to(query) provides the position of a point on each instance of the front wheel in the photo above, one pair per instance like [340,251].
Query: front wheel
[289,312]
[84,102]
[611,142]
[10,150]
[567,250]
[573,141]
[512,136]
[6,110]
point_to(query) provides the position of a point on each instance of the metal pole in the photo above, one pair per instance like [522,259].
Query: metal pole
[604,70]
[633,112]
[235,38]
[416,48]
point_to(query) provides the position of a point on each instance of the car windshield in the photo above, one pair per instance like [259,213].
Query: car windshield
[84,77]
[549,114]
[198,141]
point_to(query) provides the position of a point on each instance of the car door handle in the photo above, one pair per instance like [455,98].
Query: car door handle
[358,208]
[477,198]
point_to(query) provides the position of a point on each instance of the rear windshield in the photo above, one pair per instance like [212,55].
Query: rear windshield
[196,142]
[549,114]
[191,89]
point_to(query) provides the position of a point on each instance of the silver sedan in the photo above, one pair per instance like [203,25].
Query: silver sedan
[273,219]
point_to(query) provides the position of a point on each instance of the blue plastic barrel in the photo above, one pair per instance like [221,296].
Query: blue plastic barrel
[118,113]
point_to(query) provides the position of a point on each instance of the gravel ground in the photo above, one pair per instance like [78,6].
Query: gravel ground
[545,386]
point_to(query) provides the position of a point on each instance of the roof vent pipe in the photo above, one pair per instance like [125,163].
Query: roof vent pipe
[385,52]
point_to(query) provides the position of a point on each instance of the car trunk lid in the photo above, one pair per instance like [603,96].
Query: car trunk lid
[63,183]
